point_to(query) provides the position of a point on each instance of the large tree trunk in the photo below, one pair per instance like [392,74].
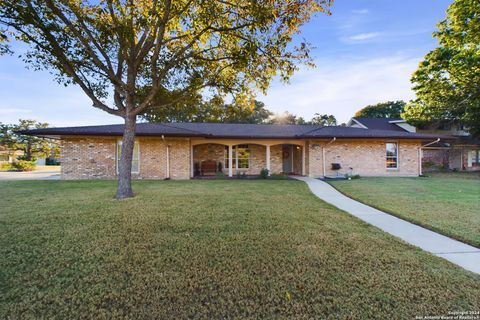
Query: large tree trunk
[124,188]
[28,152]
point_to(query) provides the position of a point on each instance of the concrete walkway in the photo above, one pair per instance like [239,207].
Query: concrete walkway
[459,253]
[42,173]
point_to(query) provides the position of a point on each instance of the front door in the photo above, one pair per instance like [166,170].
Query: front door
[287,156]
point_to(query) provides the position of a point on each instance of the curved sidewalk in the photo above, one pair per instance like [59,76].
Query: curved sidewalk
[459,253]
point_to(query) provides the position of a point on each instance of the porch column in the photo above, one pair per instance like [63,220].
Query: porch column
[230,161]
[303,159]
[268,158]
[191,161]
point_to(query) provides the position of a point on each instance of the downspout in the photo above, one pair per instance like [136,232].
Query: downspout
[323,155]
[420,155]
[167,170]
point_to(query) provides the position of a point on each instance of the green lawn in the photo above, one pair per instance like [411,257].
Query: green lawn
[448,203]
[209,249]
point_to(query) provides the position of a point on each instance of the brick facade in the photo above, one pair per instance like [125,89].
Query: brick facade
[363,157]
[88,158]
[95,157]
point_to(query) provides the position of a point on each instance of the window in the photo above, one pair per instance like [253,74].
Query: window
[474,158]
[135,159]
[243,156]
[392,155]
[240,157]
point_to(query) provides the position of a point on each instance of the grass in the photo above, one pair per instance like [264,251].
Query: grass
[209,249]
[448,203]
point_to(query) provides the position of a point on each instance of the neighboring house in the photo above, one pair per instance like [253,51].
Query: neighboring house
[186,150]
[6,156]
[460,152]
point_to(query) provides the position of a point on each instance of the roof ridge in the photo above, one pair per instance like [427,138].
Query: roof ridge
[321,127]
[171,126]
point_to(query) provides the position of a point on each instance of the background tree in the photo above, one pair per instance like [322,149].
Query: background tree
[30,145]
[129,50]
[324,120]
[286,118]
[447,81]
[389,109]
[214,110]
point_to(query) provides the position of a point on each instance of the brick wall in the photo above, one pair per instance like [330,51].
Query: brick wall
[276,159]
[88,158]
[95,158]
[366,158]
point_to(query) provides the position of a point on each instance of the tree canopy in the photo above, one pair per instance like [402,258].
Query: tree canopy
[122,53]
[290,118]
[213,110]
[389,109]
[447,81]
[285,118]
[324,120]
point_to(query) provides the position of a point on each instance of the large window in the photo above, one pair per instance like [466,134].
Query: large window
[240,156]
[135,159]
[392,155]
[474,158]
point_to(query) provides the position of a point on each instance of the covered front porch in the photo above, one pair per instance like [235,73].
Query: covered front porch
[246,157]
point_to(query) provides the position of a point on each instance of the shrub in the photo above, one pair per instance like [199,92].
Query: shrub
[6,166]
[279,176]
[429,164]
[241,175]
[264,173]
[220,175]
[24,158]
[24,165]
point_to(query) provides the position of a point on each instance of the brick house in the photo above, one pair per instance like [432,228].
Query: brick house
[458,150]
[186,150]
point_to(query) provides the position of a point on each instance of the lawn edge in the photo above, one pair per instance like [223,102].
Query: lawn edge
[418,223]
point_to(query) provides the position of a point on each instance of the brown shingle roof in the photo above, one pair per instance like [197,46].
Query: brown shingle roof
[226,130]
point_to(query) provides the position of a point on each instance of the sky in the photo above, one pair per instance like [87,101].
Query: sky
[365,53]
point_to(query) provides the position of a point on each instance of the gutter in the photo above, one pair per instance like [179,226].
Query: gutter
[323,154]
[420,155]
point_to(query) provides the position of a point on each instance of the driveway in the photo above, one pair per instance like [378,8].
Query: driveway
[42,173]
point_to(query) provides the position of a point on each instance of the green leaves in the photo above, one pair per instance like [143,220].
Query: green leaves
[116,49]
[30,145]
[447,81]
[389,109]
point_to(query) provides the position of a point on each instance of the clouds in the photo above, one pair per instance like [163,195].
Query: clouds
[364,36]
[341,87]
[360,11]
